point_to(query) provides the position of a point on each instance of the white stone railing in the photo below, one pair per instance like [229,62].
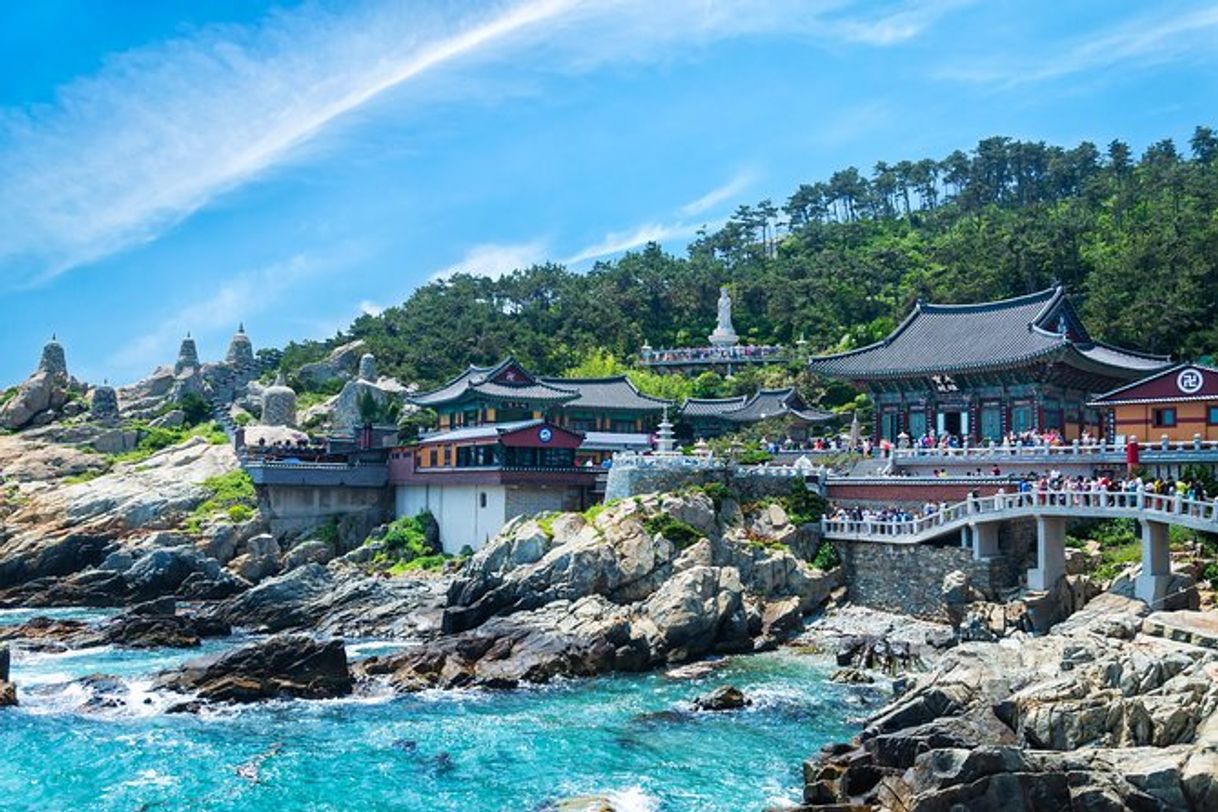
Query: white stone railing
[1169,508]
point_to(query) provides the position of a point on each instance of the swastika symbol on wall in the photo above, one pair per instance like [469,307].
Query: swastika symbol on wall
[1190,381]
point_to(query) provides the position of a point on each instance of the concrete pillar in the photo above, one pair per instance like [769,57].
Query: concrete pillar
[966,536]
[1152,584]
[985,540]
[1050,553]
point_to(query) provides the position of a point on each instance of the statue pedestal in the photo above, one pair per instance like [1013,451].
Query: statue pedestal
[724,338]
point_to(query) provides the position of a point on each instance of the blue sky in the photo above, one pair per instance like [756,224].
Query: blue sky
[177,166]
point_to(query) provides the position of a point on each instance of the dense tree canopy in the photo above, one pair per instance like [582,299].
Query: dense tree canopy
[843,260]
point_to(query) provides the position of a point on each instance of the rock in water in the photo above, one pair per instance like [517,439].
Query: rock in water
[725,697]
[8,691]
[283,666]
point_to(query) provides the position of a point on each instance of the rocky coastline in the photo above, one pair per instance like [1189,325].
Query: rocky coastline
[1071,699]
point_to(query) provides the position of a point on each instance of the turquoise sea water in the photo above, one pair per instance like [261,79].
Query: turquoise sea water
[629,737]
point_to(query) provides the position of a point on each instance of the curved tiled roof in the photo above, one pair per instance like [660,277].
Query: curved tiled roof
[481,380]
[615,392]
[711,407]
[761,405]
[958,338]
[767,403]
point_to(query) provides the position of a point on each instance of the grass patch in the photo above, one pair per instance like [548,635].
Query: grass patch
[405,548]
[680,533]
[1115,559]
[546,522]
[232,495]
[86,476]
[157,438]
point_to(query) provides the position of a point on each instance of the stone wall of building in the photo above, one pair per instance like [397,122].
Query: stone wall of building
[291,509]
[529,501]
[908,578]
[900,491]
[748,483]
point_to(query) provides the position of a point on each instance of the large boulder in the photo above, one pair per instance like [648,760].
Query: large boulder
[340,365]
[39,394]
[283,666]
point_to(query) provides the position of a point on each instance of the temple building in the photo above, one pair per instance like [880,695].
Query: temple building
[509,443]
[980,371]
[474,480]
[611,413]
[1180,403]
[711,417]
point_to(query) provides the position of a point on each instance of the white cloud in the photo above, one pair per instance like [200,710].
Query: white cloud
[370,308]
[900,24]
[1151,39]
[237,300]
[615,242]
[721,194]
[494,261]
[158,132]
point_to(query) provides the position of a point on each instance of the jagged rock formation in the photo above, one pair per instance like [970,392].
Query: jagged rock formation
[103,404]
[8,691]
[1102,713]
[223,382]
[45,395]
[579,597]
[61,532]
[284,666]
[386,395]
[340,365]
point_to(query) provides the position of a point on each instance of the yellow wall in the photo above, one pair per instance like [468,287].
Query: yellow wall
[1138,419]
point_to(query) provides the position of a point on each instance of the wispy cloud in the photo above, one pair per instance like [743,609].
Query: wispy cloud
[897,25]
[121,156]
[494,261]
[615,242]
[1164,36]
[370,308]
[720,194]
[161,131]
[238,299]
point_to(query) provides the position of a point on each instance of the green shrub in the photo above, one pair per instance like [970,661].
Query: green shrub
[826,557]
[546,522]
[327,531]
[1113,559]
[405,546]
[1210,573]
[680,533]
[804,506]
[232,494]
[754,456]
[717,491]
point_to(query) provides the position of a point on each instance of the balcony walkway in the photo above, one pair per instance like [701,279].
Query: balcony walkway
[977,520]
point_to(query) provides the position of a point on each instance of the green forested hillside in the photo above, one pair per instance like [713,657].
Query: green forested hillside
[843,259]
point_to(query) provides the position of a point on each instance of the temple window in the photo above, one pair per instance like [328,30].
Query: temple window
[1165,418]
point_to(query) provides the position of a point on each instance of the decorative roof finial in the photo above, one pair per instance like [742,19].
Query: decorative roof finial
[53,337]
[188,334]
[241,327]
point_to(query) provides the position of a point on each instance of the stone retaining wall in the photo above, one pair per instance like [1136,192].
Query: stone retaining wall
[908,578]
[749,483]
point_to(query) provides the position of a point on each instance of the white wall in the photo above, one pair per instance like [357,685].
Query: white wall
[458,510]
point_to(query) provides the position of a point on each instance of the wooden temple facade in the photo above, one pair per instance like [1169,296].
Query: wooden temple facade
[981,371]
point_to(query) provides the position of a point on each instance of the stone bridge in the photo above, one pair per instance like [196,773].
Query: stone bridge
[977,519]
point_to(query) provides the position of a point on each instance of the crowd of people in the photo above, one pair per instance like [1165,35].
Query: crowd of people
[1054,489]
